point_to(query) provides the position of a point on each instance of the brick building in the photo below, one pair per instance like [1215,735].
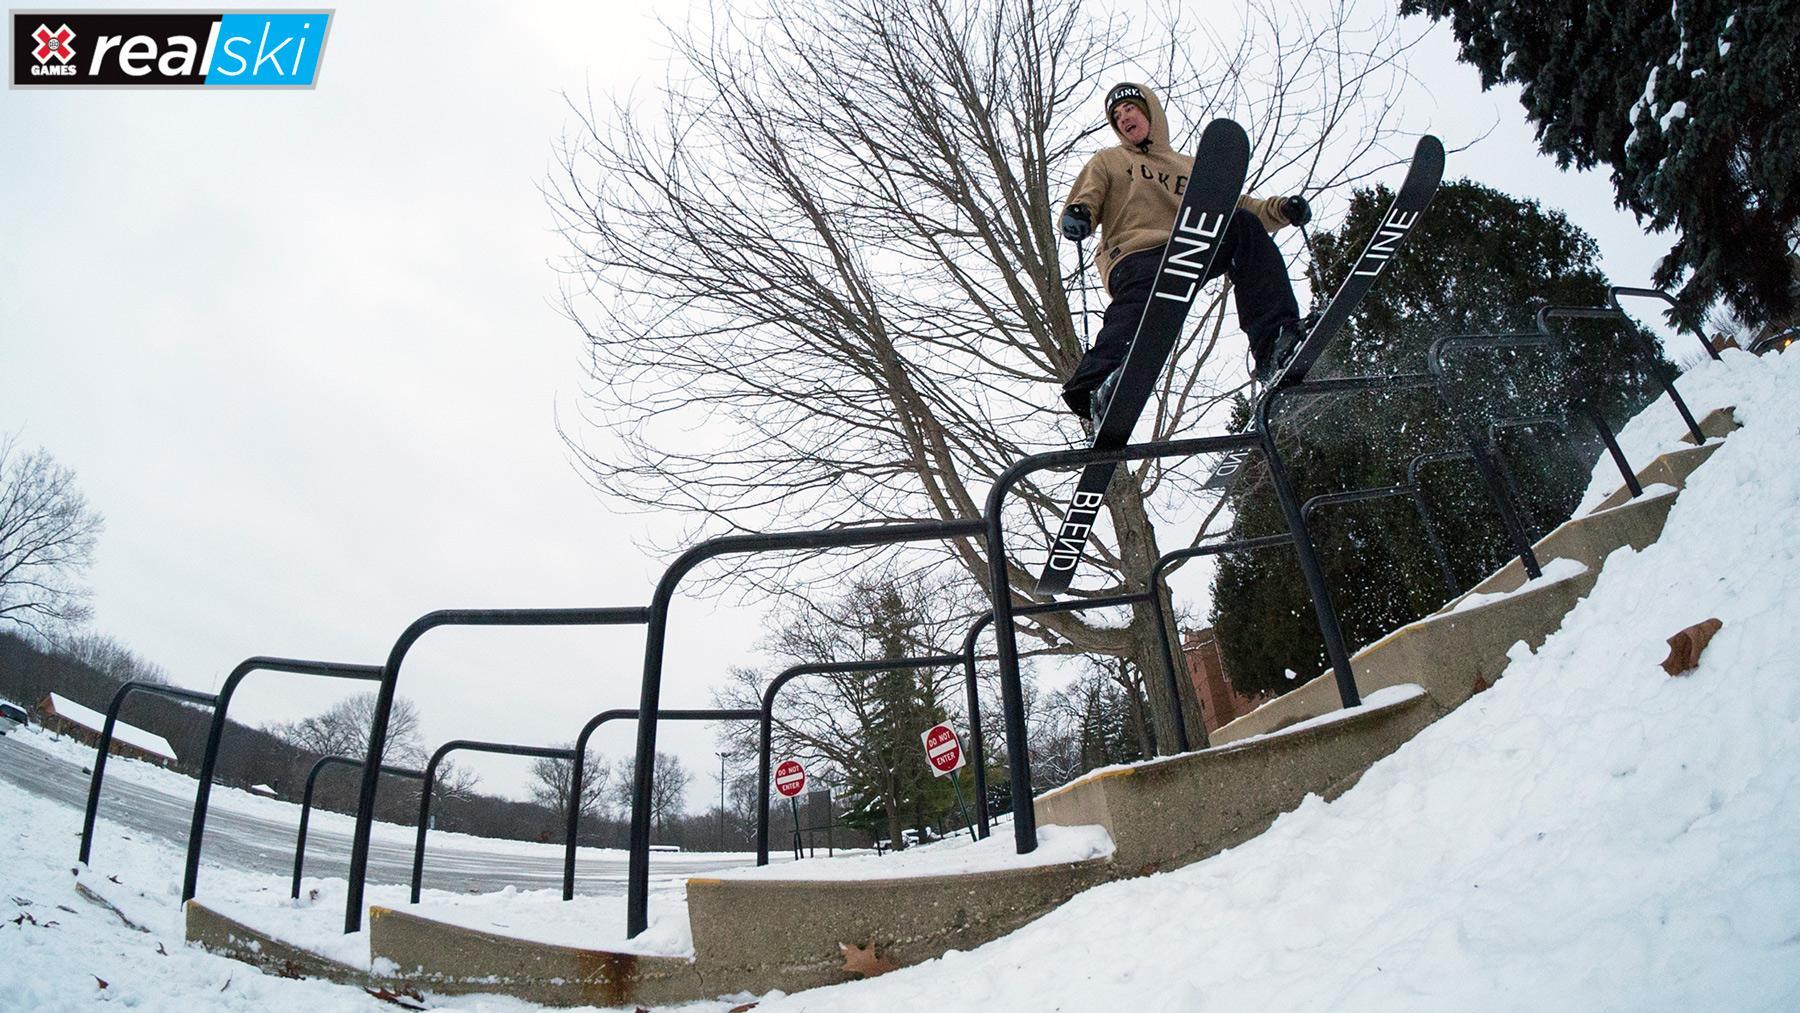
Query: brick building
[1206,670]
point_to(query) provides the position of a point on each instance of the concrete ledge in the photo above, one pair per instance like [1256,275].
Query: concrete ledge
[1674,467]
[1590,538]
[450,959]
[1451,655]
[1172,812]
[228,937]
[759,934]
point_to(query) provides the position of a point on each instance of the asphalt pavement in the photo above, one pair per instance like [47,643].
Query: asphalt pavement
[245,841]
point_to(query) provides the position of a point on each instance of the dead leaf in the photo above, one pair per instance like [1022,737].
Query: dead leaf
[863,960]
[114,879]
[159,949]
[745,1008]
[1685,647]
[226,985]
[103,982]
[406,998]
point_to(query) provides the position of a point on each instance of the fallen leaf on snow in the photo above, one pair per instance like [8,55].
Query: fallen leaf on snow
[863,960]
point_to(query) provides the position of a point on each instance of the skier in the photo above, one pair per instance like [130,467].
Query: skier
[1132,192]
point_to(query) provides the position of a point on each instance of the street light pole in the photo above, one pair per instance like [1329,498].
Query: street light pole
[722,757]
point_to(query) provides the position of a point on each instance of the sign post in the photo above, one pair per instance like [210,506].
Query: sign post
[790,781]
[945,755]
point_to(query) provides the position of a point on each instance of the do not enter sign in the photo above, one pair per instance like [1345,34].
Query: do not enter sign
[790,778]
[942,750]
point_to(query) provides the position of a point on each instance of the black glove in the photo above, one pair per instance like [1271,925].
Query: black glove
[1296,210]
[1077,223]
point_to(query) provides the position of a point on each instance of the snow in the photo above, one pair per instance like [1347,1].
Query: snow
[1587,834]
[316,920]
[95,722]
[1554,570]
[954,855]
[1677,111]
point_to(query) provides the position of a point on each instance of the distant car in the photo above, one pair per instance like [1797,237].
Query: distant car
[12,716]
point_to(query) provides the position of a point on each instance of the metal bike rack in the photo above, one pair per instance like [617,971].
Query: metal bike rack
[312,776]
[573,825]
[767,716]
[384,704]
[637,887]
[1412,493]
[1646,352]
[473,746]
[105,746]
[1484,462]
[1000,582]
[216,732]
[977,749]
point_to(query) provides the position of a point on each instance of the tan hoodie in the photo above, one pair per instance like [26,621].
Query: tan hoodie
[1133,192]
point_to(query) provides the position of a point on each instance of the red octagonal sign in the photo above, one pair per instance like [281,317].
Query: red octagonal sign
[790,778]
[942,750]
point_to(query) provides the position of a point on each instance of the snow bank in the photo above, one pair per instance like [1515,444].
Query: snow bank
[1588,834]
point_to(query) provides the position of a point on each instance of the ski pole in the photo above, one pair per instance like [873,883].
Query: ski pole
[1081,283]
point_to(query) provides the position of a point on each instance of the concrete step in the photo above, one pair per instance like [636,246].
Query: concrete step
[761,934]
[431,955]
[1170,812]
[749,935]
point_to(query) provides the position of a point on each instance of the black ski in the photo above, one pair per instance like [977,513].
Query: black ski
[1409,204]
[1214,185]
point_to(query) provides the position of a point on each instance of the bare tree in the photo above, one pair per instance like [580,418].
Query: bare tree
[343,730]
[549,785]
[47,536]
[821,281]
[107,656]
[863,725]
[670,794]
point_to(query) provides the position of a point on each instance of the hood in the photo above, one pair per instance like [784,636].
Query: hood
[1159,124]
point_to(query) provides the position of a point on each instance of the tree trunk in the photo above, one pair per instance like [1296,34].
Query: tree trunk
[1138,553]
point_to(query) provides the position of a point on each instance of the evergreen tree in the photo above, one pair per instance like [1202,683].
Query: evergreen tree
[1481,262]
[1691,105]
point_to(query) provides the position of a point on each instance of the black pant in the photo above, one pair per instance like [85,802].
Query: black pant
[1248,255]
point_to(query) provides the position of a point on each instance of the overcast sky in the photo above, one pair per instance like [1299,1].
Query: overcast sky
[301,350]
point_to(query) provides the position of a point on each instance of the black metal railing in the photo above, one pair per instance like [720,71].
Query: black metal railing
[767,718]
[1645,351]
[384,704]
[312,776]
[1369,494]
[431,768]
[215,734]
[572,827]
[1478,451]
[105,745]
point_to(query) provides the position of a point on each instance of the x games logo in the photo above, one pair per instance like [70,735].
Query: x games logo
[53,44]
[192,49]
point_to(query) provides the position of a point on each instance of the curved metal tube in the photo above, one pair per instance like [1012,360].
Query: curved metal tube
[572,826]
[312,776]
[384,704]
[637,885]
[215,734]
[105,746]
[767,716]
[470,745]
